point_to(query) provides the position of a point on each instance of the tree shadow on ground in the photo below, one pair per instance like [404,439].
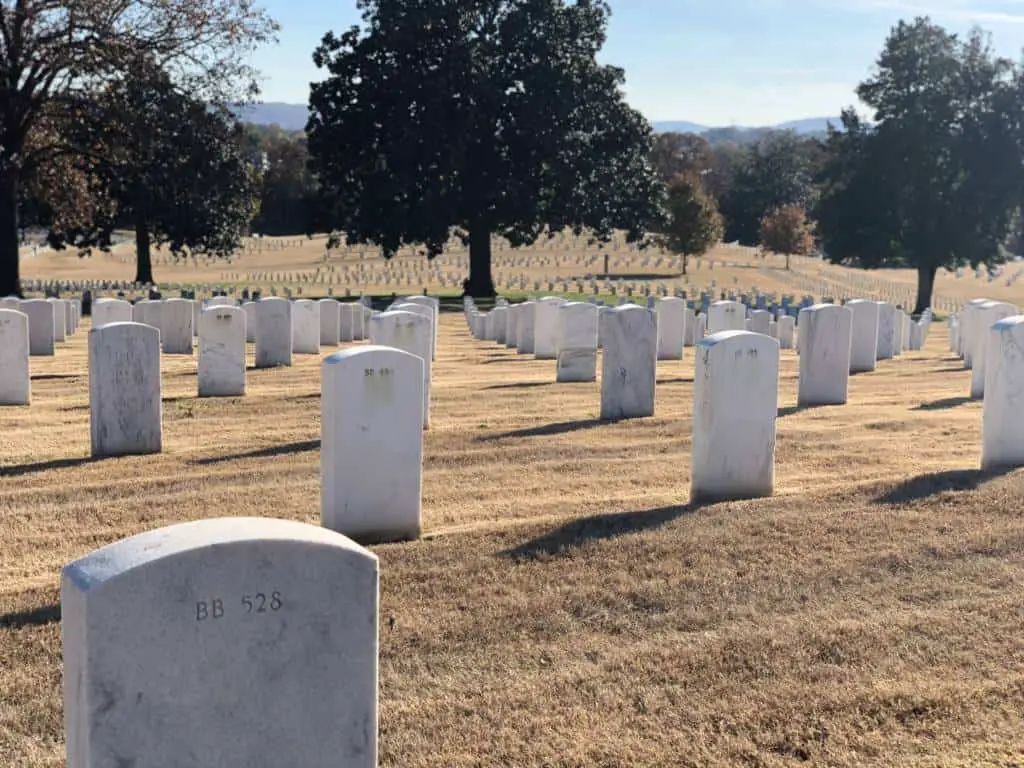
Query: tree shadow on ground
[35,617]
[263,453]
[43,466]
[943,405]
[573,535]
[934,483]
[523,385]
[560,428]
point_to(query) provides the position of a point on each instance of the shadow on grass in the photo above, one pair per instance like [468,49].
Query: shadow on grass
[56,376]
[934,483]
[263,453]
[679,380]
[310,396]
[43,466]
[523,385]
[560,428]
[36,617]
[573,535]
[943,405]
[501,359]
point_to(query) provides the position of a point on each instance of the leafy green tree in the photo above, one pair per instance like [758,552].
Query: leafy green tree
[681,153]
[774,172]
[938,179]
[173,168]
[477,118]
[288,191]
[693,224]
[55,56]
[786,230]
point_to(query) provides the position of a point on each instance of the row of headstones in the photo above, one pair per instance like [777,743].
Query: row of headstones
[124,363]
[31,327]
[989,337]
[737,367]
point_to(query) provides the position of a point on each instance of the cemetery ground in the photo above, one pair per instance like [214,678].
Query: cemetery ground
[566,607]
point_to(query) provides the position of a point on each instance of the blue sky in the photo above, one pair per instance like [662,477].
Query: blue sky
[716,62]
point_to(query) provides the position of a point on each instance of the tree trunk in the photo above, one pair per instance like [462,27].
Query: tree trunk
[925,286]
[685,259]
[787,262]
[479,285]
[143,257]
[10,279]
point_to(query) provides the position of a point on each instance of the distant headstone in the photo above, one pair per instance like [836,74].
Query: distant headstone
[371,446]
[228,642]
[1002,430]
[546,328]
[176,331]
[409,332]
[885,349]
[630,361]
[222,333]
[305,327]
[330,322]
[60,323]
[577,342]
[760,320]
[786,329]
[735,404]
[726,316]
[525,327]
[864,335]
[825,335]
[15,379]
[124,389]
[671,323]
[249,308]
[41,322]
[273,332]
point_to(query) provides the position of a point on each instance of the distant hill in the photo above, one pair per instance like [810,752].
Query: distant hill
[292,117]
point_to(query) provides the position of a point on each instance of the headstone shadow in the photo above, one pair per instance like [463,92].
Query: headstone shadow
[34,617]
[522,385]
[934,483]
[559,428]
[263,453]
[18,470]
[944,404]
[564,540]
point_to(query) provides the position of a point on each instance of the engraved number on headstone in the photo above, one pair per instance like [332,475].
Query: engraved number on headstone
[367,372]
[255,603]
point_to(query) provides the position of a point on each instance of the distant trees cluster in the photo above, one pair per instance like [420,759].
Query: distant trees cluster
[480,117]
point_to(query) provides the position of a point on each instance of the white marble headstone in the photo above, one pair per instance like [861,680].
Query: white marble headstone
[306,327]
[671,322]
[15,377]
[273,332]
[41,326]
[825,335]
[864,335]
[371,447]
[176,330]
[1002,431]
[409,332]
[330,322]
[735,405]
[577,342]
[222,332]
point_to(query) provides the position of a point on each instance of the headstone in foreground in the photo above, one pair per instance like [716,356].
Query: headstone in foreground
[228,642]
[1002,430]
[15,377]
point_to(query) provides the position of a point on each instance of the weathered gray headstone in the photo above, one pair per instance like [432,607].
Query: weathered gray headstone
[273,332]
[124,389]
[228,642]
[630,362]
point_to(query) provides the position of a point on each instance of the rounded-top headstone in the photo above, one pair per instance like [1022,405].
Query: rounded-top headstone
[825,333]
[371,447]
[15,377]
[273,332]
[726,316]
[735,404]
[864,335]
[629,365]
[1002,431]
[229,642]
[124,389]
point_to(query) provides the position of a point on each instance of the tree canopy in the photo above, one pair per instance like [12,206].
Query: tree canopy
[473,118]
[939,177]
[56,56]
[693,224]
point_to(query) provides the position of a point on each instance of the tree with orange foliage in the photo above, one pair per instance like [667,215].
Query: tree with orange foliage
[786,230]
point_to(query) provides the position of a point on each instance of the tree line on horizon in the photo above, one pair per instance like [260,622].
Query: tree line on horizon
[477,118]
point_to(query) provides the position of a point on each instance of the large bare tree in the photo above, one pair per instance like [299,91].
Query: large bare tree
[55,54]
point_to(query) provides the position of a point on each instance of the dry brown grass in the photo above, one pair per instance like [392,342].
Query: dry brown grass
[566,607]
[298,263]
